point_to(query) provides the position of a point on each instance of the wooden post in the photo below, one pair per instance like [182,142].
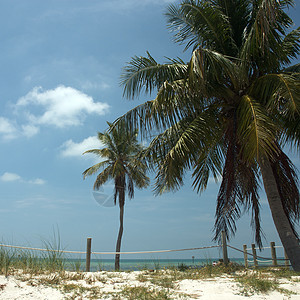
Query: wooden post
[245,256]
[224,248]
[88,254]
[273,253]
[286,262]
[254,256]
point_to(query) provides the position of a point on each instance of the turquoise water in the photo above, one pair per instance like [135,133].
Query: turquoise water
[140,264]
[135,264]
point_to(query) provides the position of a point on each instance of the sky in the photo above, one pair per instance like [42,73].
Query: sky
[61,62]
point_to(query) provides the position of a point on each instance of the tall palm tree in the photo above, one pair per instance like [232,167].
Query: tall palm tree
[120,164]
[228,111]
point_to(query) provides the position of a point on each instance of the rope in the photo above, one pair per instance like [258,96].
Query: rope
[265,258]
[137,252]
[156,251]
[265,248]
[103,253]
[258,260]
[39,249]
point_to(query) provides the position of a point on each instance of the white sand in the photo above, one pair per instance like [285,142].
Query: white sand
[11,288]
[224,288]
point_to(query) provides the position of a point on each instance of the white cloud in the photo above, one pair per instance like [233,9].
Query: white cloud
[37,181]
[60,107]
[43,202]
[90,85]
[10,177]
[30,130]
[71,149]
[7,129]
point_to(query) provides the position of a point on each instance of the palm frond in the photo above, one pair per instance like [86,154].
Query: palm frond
[130,187]
[103,153]
[255,220]
[292,131]
[280,92]
[107,140]
[210,160]
[95,168]
[292,69]
[264,36]
[228,209]
[145,74]
[290,46]
[199,23]
[209,67]
[173,102]
[238,13]
[256,131]
[238,191]
[103,177]
[138,117]
[169,167]
[177,149]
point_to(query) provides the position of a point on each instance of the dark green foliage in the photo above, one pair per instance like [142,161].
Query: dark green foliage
[232,104]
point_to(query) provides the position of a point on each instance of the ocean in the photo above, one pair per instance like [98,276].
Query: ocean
[148,264]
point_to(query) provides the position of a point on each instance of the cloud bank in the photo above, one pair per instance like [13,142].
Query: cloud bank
[60,107]
[73,149]
[7,129]
[11,177]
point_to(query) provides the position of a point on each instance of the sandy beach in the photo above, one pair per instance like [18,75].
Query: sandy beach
[137,285]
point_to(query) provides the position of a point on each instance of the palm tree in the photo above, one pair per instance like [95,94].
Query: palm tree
[228,111]
[121,165]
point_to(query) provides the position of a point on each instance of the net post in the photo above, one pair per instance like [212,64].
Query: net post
[254,255]
[273,253]
[245,256]
[88,254]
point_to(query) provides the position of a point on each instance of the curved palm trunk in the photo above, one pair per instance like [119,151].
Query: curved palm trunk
[282,224]
[118,247]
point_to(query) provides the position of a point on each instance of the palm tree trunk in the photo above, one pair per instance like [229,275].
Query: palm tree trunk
[118,247]
[282,224]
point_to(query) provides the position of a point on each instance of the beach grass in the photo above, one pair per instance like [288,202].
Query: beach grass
[6,260]
[261,282]
[31,261]
[146,293]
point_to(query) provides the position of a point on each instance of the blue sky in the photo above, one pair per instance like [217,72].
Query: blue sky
[60,70]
